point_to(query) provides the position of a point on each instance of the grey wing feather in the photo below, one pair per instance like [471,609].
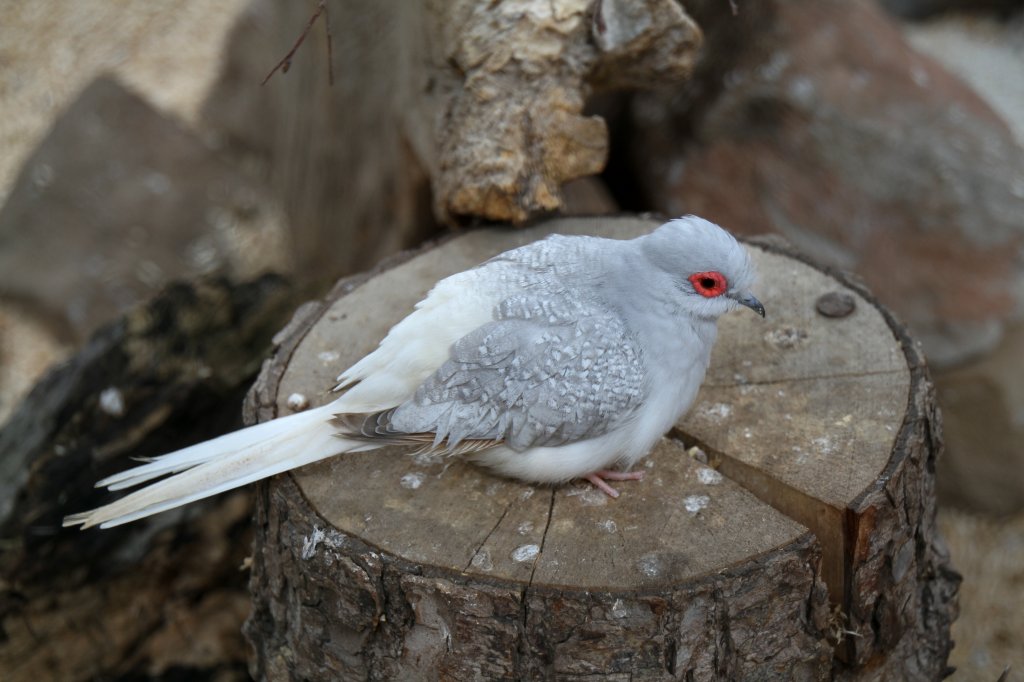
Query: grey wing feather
[547,371]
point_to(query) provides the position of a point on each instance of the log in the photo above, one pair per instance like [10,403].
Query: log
[162,598]
[804,547]
[463,110]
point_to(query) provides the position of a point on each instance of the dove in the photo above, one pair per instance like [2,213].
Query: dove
[563,359]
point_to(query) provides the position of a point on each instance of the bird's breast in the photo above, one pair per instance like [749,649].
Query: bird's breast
[676,360]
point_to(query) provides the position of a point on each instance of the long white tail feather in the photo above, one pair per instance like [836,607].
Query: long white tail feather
[222,464]
[228,444]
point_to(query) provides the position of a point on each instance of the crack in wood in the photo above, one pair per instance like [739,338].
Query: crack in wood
[522,643]
[488,536]
[543,538]
[722,632]
[809,377]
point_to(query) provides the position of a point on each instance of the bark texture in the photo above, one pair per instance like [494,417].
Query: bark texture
[328,606]
[771,563]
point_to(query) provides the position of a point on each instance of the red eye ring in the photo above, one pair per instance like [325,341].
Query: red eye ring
[708,284]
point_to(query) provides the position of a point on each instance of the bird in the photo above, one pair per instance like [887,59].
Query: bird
[567,358]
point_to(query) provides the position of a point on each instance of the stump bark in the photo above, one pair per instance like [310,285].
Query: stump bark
[801,546]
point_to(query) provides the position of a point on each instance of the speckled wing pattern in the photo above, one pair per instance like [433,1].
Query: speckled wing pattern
[551,368]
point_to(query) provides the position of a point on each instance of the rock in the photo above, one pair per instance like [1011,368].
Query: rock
[116,201]
[587,196]
[922,9]
[819,122]
[982,51]
[168,54]
[983,404]
[873,158]
[982,400]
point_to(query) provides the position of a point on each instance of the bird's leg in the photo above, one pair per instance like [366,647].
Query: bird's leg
[599,478]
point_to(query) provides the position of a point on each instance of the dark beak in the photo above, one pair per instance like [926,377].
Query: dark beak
[748,300]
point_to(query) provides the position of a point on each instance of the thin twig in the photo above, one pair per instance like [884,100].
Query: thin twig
[286,63]
[734,7]
[330,52]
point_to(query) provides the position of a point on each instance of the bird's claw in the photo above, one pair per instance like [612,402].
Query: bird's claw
[600,478]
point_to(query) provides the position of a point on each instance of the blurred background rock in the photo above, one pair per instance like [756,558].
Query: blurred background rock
[138,150]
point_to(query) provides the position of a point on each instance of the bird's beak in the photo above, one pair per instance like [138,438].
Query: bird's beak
[750,301]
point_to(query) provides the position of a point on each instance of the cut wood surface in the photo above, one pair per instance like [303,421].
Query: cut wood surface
[804,547]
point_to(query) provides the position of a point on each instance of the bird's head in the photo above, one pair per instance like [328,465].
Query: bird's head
[711,269]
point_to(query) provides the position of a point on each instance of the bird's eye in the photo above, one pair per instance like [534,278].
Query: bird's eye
[708,284]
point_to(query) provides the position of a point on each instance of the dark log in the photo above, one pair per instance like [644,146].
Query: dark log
[163,598]
[806,550]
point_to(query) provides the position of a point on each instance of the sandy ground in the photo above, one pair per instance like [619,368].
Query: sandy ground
[989,634]
[50,50]
[27,349]
[169,53]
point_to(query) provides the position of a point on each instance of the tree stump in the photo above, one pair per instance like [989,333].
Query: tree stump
[802,546]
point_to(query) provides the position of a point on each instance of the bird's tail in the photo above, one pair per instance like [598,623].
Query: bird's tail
[227,462]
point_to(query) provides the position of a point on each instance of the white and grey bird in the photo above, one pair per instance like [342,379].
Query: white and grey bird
[566,358]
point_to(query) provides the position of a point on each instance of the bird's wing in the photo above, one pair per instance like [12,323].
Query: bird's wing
[421,343]
[547,371]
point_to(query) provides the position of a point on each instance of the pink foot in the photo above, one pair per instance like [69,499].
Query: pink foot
[598,478]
